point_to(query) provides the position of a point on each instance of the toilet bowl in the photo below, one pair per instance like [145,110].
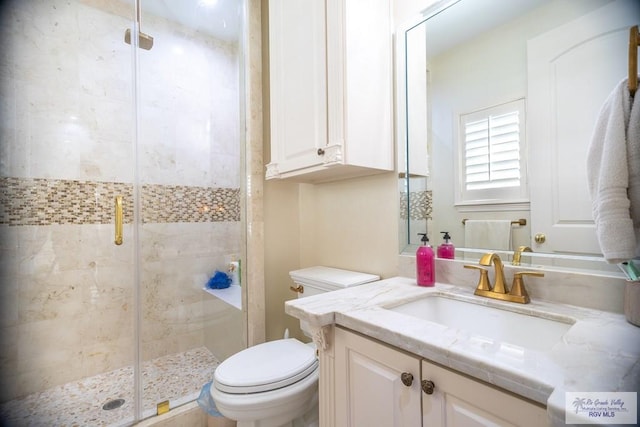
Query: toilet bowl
[275,384]
[268,385]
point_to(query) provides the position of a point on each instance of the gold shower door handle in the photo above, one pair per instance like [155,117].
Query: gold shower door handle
[118,240]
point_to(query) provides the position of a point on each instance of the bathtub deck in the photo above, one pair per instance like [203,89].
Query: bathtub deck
[178,378]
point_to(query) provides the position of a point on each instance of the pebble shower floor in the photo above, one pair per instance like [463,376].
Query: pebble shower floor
[178,378]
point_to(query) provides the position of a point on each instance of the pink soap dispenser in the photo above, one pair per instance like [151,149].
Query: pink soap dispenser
[446,250]
[425,263]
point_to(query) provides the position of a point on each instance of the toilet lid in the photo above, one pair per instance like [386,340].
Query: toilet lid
[329,278]
[265,367]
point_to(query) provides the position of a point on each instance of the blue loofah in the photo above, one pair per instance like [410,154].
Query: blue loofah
[220,280]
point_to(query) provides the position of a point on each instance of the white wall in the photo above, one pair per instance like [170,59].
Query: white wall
[348,224]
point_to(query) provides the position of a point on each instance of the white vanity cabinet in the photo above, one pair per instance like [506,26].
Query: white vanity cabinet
[370,390]
[459,401]
[330,65]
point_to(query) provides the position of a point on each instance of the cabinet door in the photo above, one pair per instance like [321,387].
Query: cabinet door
[459,401]
[297,66]
[360,83]
[369,388]
[331,89]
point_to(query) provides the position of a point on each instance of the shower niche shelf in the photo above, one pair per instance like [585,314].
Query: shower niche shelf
[231,295]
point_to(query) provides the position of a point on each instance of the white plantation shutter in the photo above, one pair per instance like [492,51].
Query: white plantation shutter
[492,152]
[491,147]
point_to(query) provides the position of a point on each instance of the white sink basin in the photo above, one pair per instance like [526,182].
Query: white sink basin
[492,323]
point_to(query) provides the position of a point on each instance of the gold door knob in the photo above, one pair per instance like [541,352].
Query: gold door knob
[407,379]
[428,386]
[540,238]
[320,152]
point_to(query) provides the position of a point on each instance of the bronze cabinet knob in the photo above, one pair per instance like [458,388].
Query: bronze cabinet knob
[407,379]
[428,386]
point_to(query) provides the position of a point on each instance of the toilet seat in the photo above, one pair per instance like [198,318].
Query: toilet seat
[265,367]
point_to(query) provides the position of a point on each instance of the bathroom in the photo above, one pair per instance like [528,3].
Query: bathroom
[286,225]
[73,321]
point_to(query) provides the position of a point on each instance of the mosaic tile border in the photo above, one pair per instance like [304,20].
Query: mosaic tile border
[420,205]
[172,203]
[36,201]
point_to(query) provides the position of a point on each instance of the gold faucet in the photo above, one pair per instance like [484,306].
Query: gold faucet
[486,260]
[499,291]
[517,254]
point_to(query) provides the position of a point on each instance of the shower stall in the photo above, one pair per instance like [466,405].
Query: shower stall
[117,117]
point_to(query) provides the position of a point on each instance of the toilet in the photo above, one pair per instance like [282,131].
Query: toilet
[275,384]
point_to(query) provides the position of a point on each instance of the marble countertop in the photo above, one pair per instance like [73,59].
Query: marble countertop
[599,353]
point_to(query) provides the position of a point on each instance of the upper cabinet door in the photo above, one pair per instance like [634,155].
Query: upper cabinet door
[571,71]
[298,84]
[331,85]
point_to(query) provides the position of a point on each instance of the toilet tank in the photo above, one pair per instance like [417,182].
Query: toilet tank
[317,280]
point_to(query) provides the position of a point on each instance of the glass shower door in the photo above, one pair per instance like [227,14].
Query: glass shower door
[91,332]
[189,158]
[67,294]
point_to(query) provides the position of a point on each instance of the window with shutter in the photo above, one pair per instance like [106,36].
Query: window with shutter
[491,155]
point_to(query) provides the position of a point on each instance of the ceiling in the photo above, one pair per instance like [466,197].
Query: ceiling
[446,30]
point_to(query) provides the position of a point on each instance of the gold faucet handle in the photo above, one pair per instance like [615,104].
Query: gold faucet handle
[483,281]
[518,289]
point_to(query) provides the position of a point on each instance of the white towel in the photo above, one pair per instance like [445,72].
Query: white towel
[489,234]
[633,162]
[608,177]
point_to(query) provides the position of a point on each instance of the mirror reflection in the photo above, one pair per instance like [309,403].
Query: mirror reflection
[497,102]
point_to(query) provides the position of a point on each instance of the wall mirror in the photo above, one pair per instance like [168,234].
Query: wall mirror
[462,57]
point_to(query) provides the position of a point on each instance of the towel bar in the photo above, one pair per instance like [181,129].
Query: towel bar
[521,221]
